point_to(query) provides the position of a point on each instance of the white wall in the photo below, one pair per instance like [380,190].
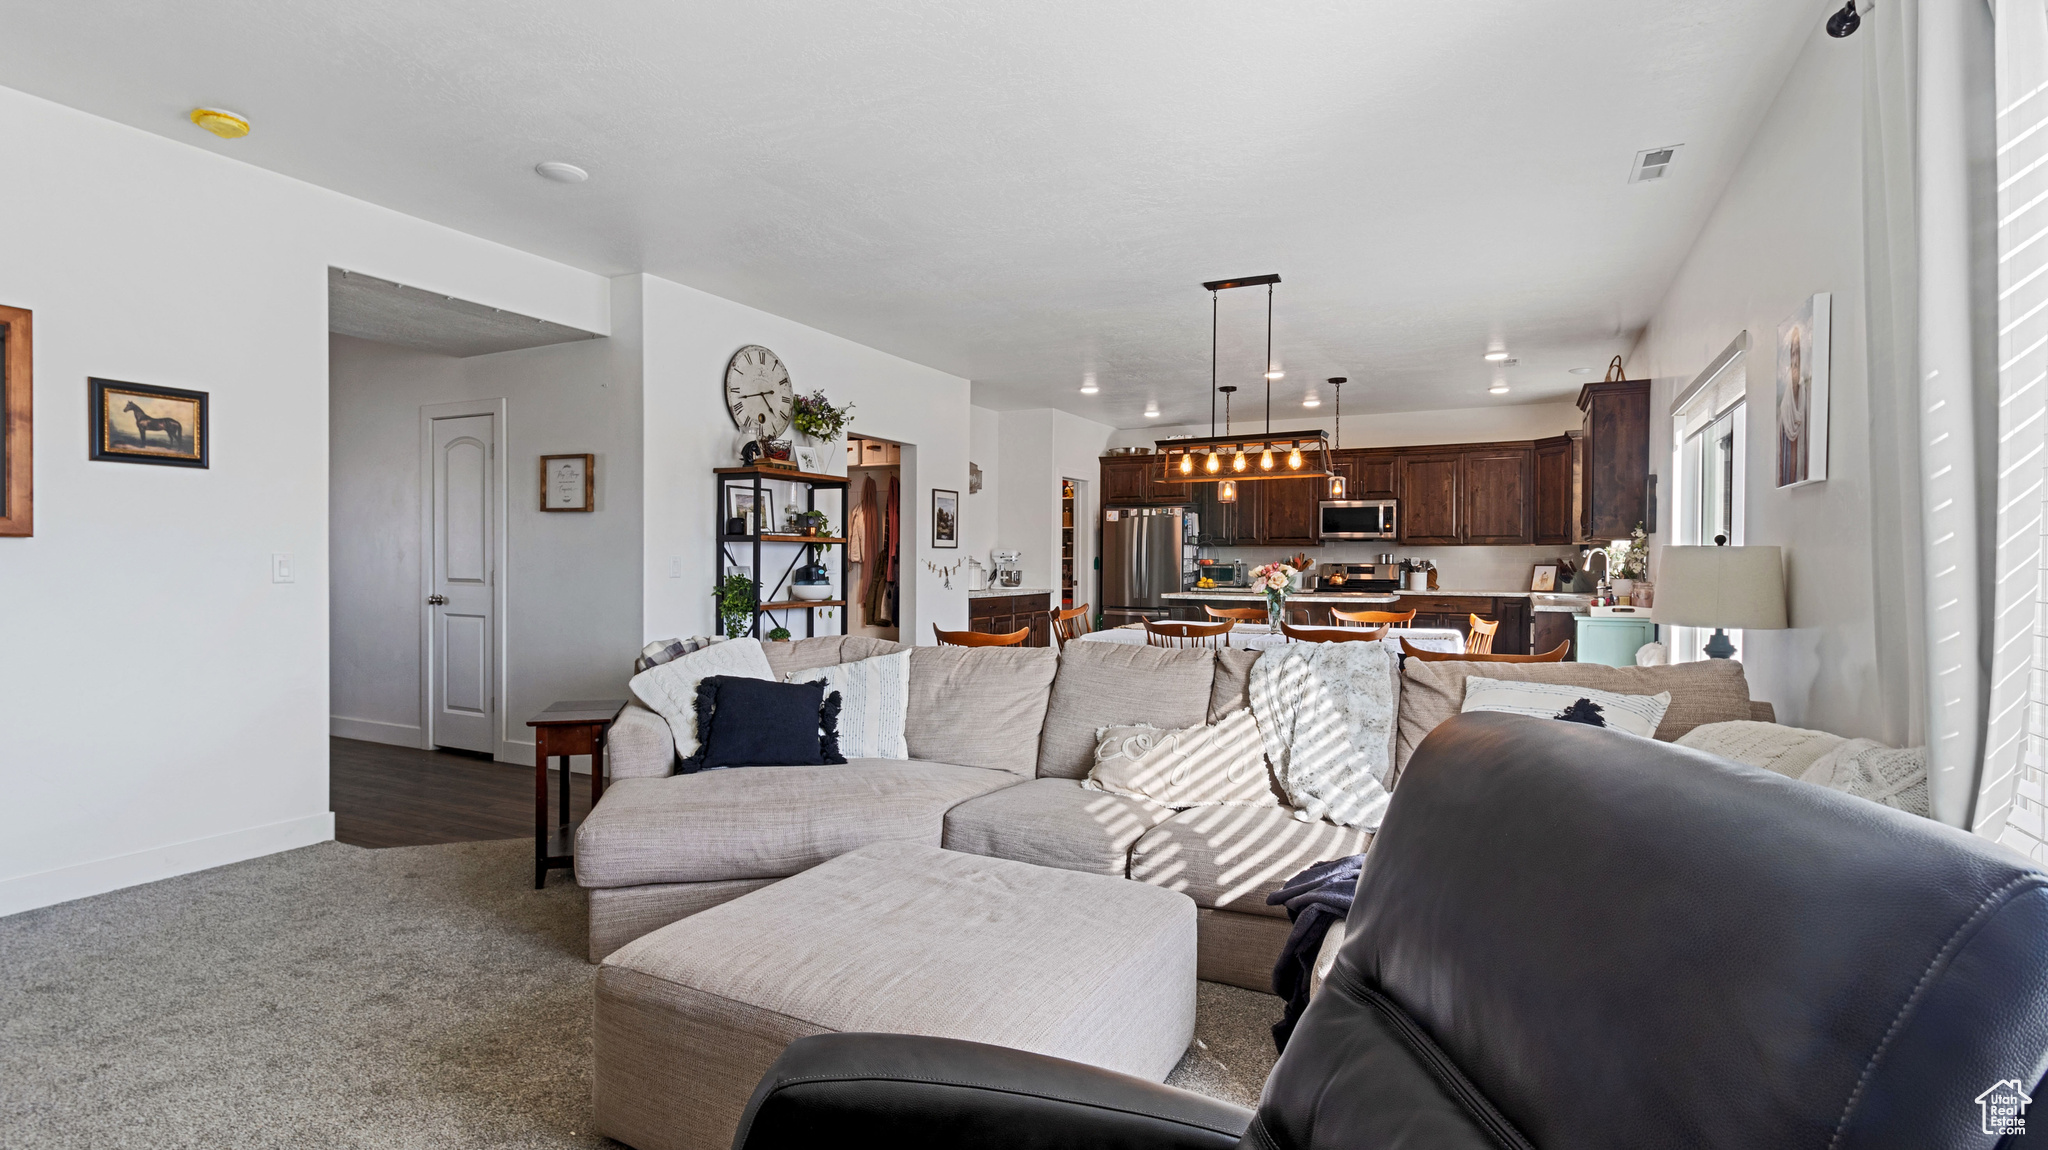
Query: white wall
[1038,448]
[1789,225]
[165,703]
[981,513]
[1398,428]
[572,584]
[688,338]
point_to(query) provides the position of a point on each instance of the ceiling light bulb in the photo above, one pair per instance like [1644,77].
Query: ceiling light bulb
[221,122]
[1294,459]
[1152,414]
[1239,464]
[561,173]
[1227,491]
[1496,356]
[1276,375]
[1266,459]
[1187,464]
[1336,487]
[1215,462]
[1497,389]
[1311,401]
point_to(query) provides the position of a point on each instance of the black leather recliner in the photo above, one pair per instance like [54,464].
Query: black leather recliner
[1571,939]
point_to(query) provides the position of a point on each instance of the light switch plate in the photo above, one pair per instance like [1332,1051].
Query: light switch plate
[675,567]
[281,567]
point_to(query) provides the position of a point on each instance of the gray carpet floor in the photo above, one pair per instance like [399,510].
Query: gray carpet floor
[339,997]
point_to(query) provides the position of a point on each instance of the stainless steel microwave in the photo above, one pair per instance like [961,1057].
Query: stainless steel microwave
[1358,518]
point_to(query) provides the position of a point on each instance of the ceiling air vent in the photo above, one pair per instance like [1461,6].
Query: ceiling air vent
[1651,163]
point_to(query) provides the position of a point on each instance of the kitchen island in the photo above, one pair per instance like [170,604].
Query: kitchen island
[1453,609]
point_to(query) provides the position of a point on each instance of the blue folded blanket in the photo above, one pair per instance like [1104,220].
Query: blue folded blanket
[1315,898]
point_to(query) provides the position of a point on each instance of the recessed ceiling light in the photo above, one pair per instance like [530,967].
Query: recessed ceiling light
[1152,414]
[1276,375]
[1583,371]
[221,122]
[1088,385]
[561,173]
[1497,389]
[1311,401]
[1496,356]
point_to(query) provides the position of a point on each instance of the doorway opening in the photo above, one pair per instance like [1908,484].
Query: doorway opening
[875,529]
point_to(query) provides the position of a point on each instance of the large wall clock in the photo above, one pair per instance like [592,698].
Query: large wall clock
[757,391]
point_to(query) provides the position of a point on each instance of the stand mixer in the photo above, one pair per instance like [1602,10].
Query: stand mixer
[1007,572]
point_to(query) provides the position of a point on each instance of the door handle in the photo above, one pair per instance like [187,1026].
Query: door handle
[436,600]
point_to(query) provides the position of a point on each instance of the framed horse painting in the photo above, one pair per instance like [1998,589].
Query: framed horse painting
[138,423]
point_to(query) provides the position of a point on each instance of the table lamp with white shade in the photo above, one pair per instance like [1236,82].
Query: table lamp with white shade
[1720,587]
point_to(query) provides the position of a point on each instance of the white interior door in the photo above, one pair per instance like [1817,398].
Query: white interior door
[462,692]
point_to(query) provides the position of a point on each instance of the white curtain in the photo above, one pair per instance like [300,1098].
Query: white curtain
[2009,804]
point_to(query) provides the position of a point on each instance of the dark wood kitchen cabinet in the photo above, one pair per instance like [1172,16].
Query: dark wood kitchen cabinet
[1616,462]
[1498,484]
[1368,474]
[1287,514]
[1124,480]
[1455,611]
[1549,628]
[1429,492]
[1003,614]
[1557,472]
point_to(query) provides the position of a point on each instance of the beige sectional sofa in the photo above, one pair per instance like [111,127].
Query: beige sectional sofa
[1000,740]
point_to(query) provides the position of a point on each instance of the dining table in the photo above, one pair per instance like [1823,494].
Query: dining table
[1260,636]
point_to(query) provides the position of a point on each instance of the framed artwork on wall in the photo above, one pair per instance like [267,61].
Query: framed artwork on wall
[739,505]
[142,423]
[945,518]
[1803,393]
[17,426]
[568,482]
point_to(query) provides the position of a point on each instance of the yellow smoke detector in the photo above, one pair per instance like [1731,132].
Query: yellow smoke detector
[221,122]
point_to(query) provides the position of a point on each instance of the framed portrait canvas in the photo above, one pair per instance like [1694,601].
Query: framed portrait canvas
[1802,408]
[568,482]
[945,518]
[739,504]
[1545,578]
[17,438]
[139,423]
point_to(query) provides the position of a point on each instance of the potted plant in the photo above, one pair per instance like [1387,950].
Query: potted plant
[814,523]
[737,599]
[1274,579]
[779,635]
[814,417]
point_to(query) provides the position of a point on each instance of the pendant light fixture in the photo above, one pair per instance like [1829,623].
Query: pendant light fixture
[1305,453]
[1336,488]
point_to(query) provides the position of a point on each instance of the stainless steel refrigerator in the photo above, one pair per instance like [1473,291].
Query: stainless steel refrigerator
[1146,552]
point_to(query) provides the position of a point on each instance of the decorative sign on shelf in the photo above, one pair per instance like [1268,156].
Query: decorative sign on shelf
[568,482]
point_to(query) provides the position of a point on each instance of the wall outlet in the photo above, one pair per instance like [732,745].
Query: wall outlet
[675,567]
[281,567]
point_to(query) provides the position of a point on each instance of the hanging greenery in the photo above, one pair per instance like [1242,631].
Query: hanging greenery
[814,415]
[737,597]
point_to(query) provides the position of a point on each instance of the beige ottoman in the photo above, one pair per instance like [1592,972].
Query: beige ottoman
[898,938]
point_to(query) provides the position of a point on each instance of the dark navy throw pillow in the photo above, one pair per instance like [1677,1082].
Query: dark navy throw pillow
[743,722]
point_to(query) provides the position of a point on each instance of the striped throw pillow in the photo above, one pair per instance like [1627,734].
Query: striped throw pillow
[1636,714]
[874,699]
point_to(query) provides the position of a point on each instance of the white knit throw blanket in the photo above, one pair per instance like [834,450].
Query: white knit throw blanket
[1326,715]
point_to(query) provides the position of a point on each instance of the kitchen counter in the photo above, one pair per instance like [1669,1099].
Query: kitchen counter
[1003,592]
[1260,596]
[1543,602]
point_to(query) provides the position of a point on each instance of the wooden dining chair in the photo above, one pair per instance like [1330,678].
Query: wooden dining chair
[1332,634]
[980,638]
[1240,614]
[1554,655]
[1373,618]
[1216,635]
[1480,641]
[1068,626]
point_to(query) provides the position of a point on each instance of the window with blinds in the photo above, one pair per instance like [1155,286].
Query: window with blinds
[1709,436]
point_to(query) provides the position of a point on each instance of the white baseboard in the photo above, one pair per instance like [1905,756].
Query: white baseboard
[47,888]
[374,731]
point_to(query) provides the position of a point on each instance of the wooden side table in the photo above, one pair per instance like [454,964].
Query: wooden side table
[572,728]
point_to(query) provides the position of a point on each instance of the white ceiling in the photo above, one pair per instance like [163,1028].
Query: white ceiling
[1017,193]
[370,308]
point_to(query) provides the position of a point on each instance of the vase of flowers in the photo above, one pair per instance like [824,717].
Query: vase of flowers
[1275,579]
[814,417]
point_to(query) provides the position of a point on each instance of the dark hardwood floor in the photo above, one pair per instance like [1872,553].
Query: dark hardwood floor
[386,796]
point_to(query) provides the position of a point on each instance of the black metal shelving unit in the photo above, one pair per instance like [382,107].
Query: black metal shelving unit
[806,545]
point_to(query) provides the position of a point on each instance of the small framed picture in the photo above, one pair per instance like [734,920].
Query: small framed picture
[1546,578]
[138,423]
[1803,393]
[945,518]
[807,461]
[739,507]
[568,482]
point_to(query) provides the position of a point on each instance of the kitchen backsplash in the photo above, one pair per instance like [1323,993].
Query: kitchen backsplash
[1457,568]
